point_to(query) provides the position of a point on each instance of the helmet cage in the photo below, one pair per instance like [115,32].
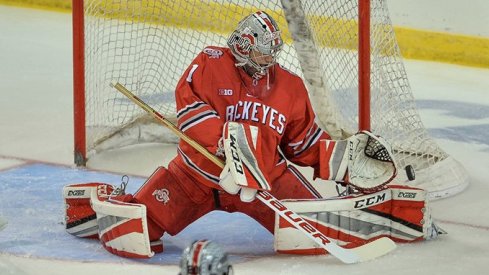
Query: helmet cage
[257,32]
[204,258]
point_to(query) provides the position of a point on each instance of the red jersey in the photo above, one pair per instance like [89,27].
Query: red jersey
[213,90]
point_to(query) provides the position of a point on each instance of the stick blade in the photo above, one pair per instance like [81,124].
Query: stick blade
[370,251]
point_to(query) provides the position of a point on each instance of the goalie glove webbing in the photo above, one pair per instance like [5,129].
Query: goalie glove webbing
[364,161]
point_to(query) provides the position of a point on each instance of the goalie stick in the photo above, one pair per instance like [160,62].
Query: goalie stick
[374,249]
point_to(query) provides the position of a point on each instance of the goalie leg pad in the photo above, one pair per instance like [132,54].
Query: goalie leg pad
[397,212]
[80,219]
[123,228]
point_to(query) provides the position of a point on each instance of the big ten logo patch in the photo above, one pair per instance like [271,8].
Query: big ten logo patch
[225,92]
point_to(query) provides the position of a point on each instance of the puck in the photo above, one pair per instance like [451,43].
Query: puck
[410,172]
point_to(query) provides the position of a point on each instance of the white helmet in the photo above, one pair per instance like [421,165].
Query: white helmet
[256,32]
[204,258]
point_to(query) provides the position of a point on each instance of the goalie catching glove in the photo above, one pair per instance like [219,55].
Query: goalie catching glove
[243,169]
[364,161]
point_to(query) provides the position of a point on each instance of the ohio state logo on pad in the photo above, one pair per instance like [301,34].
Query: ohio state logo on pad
[162,195]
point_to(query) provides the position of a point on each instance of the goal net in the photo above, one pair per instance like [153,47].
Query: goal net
[147,44]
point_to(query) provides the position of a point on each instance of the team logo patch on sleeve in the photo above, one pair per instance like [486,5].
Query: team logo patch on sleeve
[212,53]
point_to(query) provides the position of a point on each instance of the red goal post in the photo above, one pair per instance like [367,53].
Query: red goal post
[80,148]
[345,50]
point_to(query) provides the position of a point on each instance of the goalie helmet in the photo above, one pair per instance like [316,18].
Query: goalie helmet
[256,41]
[204,258]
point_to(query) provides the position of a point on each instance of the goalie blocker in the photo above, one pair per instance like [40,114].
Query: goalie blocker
[398,212]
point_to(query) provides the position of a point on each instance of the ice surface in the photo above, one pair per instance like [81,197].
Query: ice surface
[36,133]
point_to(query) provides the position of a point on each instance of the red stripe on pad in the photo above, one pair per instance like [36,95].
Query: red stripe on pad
[130,226]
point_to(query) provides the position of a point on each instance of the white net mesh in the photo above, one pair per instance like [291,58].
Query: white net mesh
[146,46]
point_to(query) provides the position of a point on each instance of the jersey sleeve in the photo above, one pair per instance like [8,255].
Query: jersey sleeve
[195,116]
[300,143]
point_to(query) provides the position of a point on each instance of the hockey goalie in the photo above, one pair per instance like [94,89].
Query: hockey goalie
[245,108]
